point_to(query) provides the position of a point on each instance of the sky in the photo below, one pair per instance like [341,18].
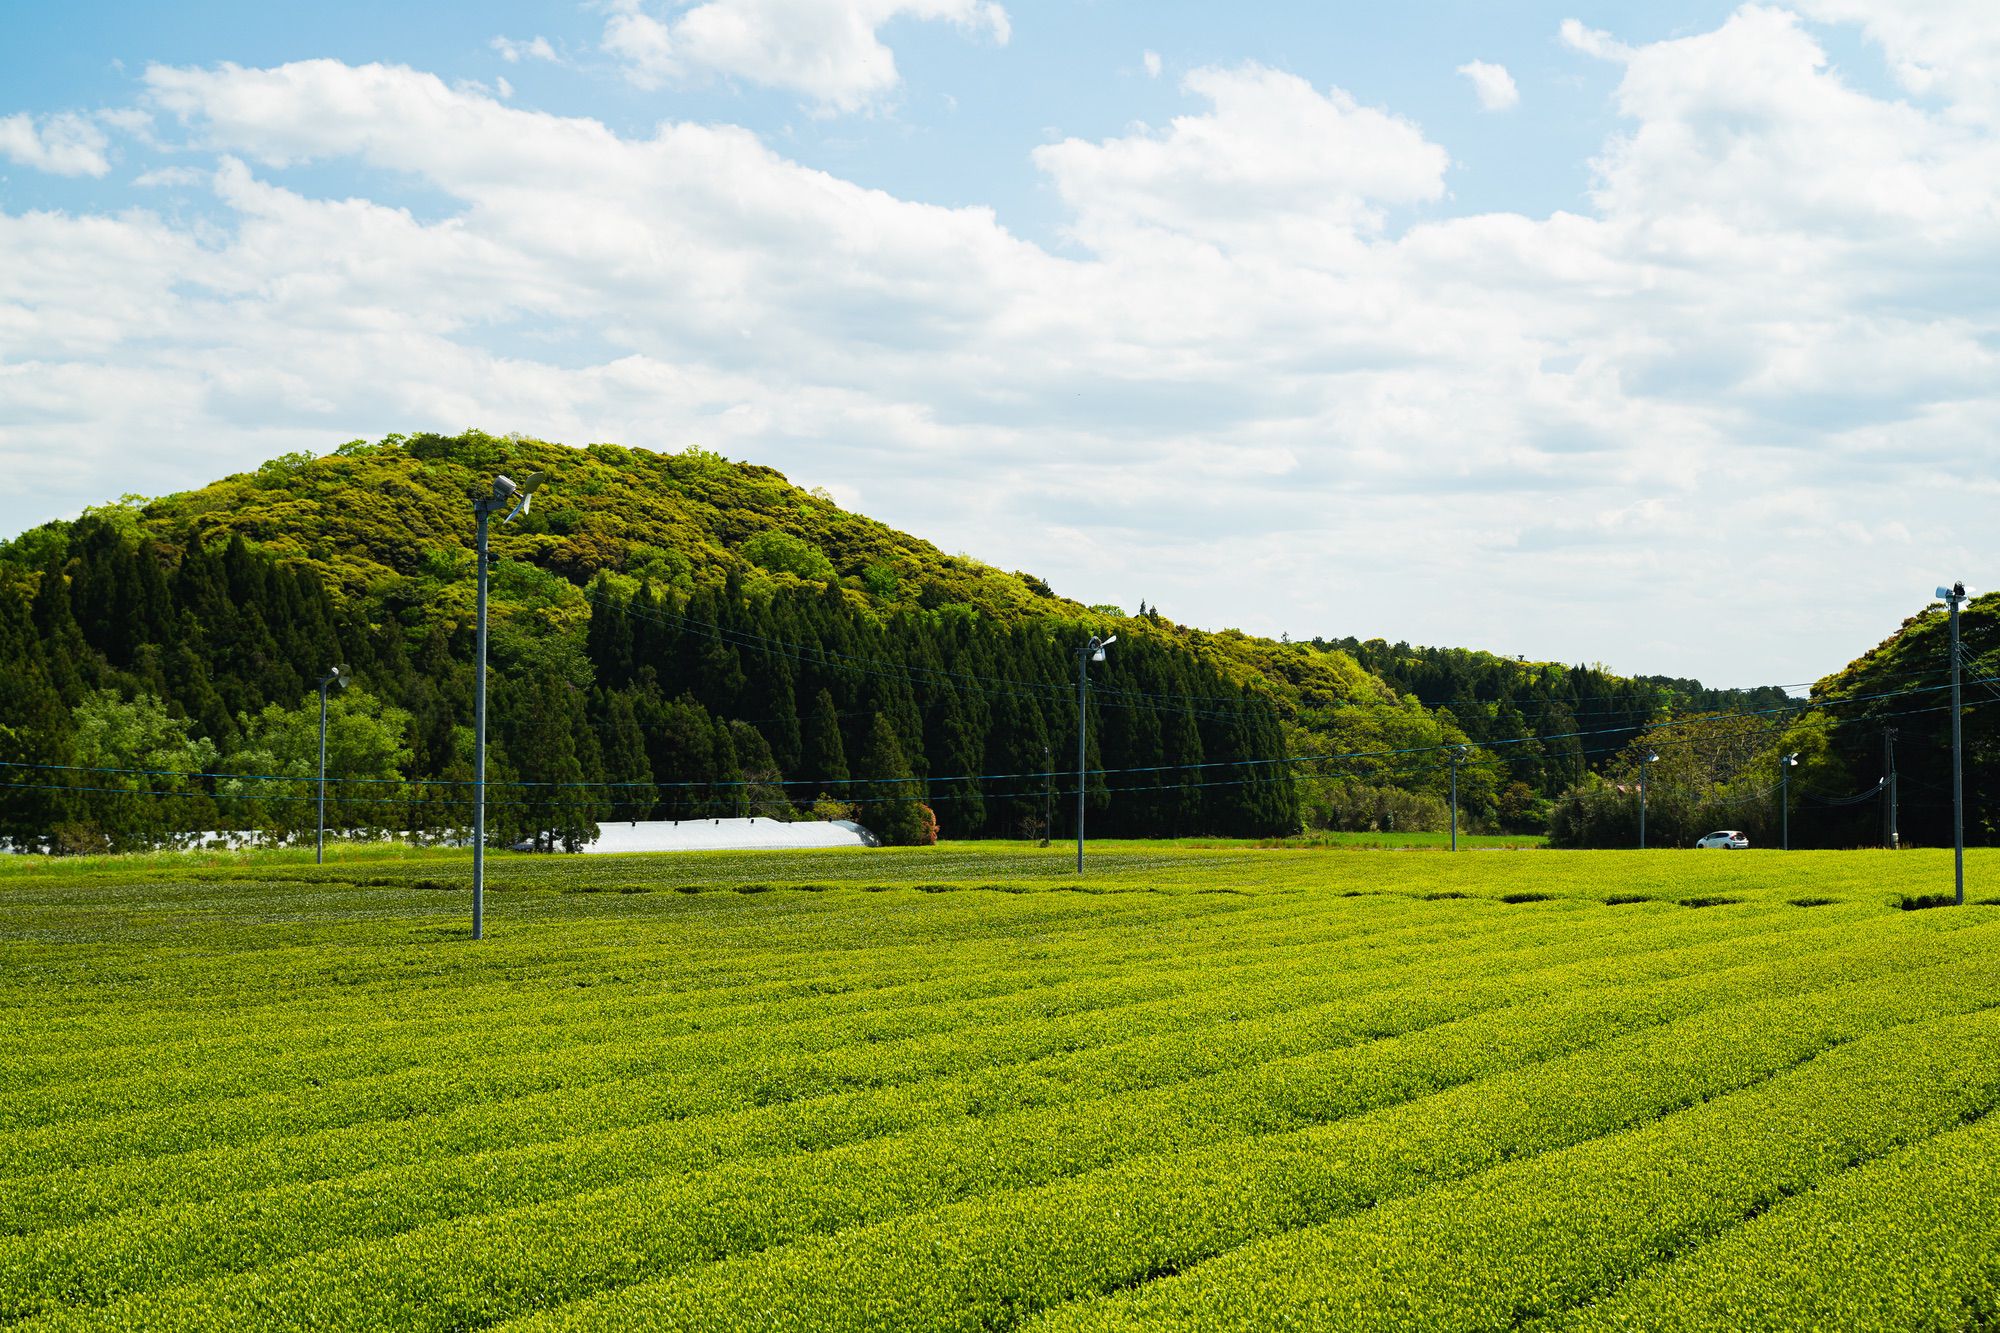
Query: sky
[1661,336]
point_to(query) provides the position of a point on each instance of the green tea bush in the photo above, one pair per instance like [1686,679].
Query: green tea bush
[960,1088]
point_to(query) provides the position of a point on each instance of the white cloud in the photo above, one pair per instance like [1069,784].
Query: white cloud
[535,48]
[1592,41]
[65,144]
[1942,48]
[1274,156]
[1151,59]
[1746,135]
[1274,384]
[166,177]
[829,50]
[1493,85]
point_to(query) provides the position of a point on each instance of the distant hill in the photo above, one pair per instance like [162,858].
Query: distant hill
[1902,684]
[677,635]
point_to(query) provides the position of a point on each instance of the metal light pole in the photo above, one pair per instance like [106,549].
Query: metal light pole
[1048,794]
[1650,759]
[333,679]
[1954,597]
[1090,652]
[1457,757]
[1890,836]
[504,492]
[1785,767]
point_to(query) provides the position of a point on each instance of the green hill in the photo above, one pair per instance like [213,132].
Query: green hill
[677,635]
[1903,685]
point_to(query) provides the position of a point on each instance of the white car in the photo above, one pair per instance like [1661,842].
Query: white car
[1728,839]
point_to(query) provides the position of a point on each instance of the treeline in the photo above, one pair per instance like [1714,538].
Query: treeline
[813,689]
[153,689]
[677,636]
[133,671]
[1871,752]
[1549,726]
[1902,687]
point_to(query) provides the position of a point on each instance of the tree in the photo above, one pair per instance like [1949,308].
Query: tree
[727,795]
[680,745]
[35,745]
[144,769]
[780,551]
[955,752]
[627,771]
[893,807]
[367,753]
[550,745]
[825,761]
[62,640]
[763,781]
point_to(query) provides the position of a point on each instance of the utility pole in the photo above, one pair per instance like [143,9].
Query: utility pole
[1646,762]
[1954,597]
[1090,652]
[1457,757]
[1785,767]
[504,491]
[1890,838]
[485,511]
[331,680]
[1048,795]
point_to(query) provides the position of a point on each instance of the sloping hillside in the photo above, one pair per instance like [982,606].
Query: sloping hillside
[390,522]
[1903,685]
[674,634]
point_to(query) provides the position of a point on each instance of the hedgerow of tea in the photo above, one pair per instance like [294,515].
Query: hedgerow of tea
[965,1089]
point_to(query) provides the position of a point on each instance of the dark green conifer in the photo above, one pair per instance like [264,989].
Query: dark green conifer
[825,763]
[892,804]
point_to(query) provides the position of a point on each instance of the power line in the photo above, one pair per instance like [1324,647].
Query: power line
[757,783]
[1126,696]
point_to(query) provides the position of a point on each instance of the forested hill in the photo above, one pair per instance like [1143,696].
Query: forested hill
[674,635]
[1891,711]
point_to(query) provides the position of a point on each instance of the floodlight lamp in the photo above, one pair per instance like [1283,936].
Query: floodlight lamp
[1944,594]
[525,489]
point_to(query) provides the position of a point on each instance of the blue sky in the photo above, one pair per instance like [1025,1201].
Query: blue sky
[959,128]
[1264,314]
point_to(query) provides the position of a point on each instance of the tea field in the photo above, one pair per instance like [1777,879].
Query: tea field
[960,1088]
